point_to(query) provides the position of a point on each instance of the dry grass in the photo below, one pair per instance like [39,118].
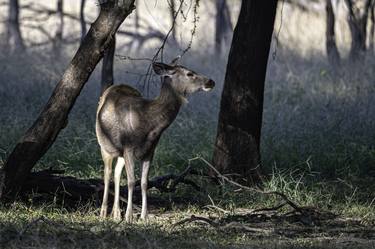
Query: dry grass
[54,227]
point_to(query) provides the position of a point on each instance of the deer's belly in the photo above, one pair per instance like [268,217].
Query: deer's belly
[116,141]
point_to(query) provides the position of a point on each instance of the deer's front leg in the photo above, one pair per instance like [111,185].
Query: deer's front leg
[144,181]
[107,159]
[116,211]
[129,166]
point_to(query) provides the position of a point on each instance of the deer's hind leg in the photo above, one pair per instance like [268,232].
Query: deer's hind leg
[107,159]
[144,181]
[129,166]
[116,211]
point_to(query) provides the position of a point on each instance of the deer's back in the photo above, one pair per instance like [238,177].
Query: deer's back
[119,119]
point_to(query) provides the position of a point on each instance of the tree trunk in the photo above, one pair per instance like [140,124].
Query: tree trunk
[240,119]
[172,12]
[15,41]
[372,28]
[107,67]
[82,19]
[41,135]
[223,25]
[357,21]
[136,18]
[57,43]
[332,51]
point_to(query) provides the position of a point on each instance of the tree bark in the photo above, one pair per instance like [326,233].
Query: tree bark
[240,118]
[357,21]
[14,39]
[223,25]
[82,19]
[54,117]
[331,47]
[107,66]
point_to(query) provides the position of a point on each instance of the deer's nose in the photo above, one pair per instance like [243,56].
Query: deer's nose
[210,84]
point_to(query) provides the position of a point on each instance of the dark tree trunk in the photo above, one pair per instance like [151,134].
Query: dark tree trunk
[240,119]
[82,19]
[332,51]
[107,66]
[357,21]
[223,25]
[57,43]
[41,135]
[15,41]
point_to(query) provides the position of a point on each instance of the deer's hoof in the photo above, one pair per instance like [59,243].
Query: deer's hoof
[144,217]
[103,212]
[129,218]
[117,214]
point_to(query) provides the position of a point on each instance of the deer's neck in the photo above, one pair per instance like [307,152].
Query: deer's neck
[167,105]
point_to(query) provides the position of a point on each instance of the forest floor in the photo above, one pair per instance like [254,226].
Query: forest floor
[51,227]
[227,218]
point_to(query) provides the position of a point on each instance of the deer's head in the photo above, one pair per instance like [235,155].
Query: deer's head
[184,81]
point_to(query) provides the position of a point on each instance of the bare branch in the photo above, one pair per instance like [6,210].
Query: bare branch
[256,190]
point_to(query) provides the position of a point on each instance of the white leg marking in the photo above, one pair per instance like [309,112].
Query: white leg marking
[116,206]
[107,159]
[144,179]
[129,166]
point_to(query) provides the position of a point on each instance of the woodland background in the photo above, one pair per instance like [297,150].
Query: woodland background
[317,137]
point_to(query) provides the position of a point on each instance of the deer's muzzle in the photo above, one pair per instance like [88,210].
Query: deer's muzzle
[209,85]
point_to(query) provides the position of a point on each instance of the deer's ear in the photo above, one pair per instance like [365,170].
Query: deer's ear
[163,69]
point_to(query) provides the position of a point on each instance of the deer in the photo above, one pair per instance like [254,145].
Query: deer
[129,126]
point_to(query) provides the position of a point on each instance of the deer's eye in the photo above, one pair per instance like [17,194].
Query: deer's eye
[190,74]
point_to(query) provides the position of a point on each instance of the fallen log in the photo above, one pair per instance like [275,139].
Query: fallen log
[73,190]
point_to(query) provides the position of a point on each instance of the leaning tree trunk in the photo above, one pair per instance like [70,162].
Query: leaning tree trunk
[357,21]
[223,25]
[41,135]
[331,47]
[240,119]
[82,19]
[107,67]
[15,41]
